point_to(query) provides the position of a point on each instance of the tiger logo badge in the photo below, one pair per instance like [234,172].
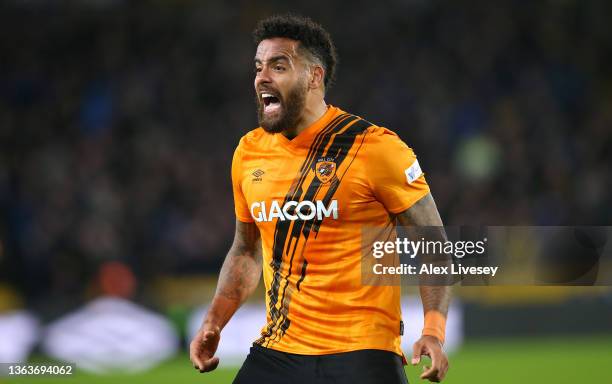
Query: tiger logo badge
[325,169]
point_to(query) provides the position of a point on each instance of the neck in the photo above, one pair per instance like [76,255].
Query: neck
[311,113]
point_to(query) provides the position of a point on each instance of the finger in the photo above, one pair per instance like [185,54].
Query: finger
[416,353]
[430,373]
[194,357]
[197,362]
[210,365]
[437,360]
[442,374]
[443,370]
[435,357]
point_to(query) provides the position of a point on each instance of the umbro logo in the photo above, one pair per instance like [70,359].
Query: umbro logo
[257,174]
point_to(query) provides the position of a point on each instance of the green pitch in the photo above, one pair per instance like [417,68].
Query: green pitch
[561,360]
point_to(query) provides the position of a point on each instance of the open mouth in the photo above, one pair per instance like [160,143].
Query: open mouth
[270,102]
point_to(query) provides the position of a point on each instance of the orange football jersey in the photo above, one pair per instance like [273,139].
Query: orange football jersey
[310,197]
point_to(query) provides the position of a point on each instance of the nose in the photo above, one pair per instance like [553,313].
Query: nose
[263,77]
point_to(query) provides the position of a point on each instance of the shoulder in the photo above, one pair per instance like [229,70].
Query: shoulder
[382,135]
[247,149]
[251,139]
[375,132]
[252,143]
[382,141]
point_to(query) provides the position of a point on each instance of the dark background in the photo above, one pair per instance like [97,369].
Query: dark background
[118,121]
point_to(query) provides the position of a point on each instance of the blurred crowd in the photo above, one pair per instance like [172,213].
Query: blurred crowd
[118,120]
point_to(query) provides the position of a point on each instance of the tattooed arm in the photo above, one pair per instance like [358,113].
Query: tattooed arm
[424,221]
[424,214]
[238,279]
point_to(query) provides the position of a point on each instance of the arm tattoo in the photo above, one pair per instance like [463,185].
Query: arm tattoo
[239,275]
[422,220]
[242,267]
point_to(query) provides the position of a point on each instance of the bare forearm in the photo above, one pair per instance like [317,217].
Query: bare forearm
[436,295]
[436,298]
[422,221]
[239,275]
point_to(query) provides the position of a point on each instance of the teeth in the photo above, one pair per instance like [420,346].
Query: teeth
[266,95]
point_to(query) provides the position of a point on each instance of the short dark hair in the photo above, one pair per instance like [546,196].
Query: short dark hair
[311,35]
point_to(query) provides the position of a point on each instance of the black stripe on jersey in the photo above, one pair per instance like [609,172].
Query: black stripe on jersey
[332,190]
[338,149]
[282,228]
[341,143]
[302,274]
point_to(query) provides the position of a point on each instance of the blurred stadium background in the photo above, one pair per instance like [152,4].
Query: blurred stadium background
[117,125]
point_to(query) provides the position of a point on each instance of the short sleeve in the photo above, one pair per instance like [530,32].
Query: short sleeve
[393,171]
[240,204]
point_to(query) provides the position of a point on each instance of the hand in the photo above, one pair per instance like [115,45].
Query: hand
[430,346]
[203,347]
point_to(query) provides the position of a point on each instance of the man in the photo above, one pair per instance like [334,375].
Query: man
[304,183]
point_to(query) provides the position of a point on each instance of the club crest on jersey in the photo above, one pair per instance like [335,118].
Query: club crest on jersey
[325,169]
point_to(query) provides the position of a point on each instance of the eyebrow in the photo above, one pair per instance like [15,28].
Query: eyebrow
[273,59]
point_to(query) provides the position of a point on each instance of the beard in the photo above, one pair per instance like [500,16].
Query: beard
[290,112]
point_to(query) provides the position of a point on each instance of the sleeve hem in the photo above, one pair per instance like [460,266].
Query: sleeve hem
[245,219]
[409,203]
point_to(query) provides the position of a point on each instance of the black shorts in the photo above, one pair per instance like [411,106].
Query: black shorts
[368,366]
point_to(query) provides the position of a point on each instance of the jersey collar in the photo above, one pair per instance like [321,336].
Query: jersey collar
[305,138]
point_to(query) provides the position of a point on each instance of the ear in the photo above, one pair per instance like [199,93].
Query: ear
[317,77]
